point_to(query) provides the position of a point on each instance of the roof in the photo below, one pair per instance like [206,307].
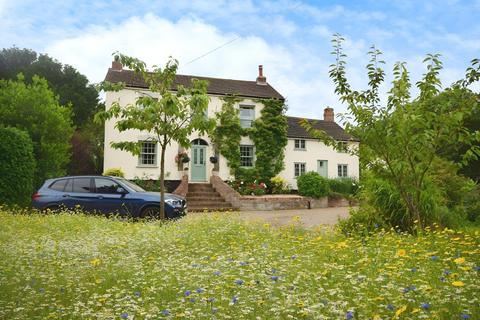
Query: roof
[295,130]
[215,85]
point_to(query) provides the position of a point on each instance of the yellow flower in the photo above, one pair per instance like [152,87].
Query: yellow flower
[459,260]
[378,299]
[401,252]
[415,310]
[400,311]
[376,317]
[458,283]
[95,262]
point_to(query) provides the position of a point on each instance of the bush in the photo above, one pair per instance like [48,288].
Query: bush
[343,186]
[311,184]
[114,172]
[17,166]
[278,185]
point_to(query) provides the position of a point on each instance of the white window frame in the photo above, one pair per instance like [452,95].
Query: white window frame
[299,164]
[253,155]
[342,170]
[343,147]
[142,153]
[250,118]
[300,143]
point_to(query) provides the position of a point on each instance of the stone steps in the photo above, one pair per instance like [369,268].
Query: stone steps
[203,197]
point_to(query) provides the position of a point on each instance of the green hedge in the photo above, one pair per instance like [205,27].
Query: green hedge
[343,186]
[311,184]
[17,166]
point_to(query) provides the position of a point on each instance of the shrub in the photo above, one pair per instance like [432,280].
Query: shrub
[17,166]
[311,184]
[278,185]
[343,186]
[114,172]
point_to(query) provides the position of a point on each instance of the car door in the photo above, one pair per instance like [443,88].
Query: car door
[78,193]
[110,197]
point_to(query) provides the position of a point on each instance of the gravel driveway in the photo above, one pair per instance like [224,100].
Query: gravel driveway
[307,217]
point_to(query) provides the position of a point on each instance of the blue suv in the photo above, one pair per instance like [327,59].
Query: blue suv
[107,195]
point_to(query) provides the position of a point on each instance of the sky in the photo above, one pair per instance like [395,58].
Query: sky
[291,39]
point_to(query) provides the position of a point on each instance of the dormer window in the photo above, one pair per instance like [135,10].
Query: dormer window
[247,115]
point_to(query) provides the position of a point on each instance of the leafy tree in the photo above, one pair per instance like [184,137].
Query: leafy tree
[400,141]
[34,108]
[170,115]
[17,166]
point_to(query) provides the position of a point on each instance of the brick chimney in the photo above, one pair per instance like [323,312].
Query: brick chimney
[328,114]
[117,65]
[261,80]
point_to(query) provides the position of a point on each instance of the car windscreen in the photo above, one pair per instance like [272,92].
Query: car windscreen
[132,185]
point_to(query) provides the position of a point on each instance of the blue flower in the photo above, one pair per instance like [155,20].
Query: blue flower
[465,316]
[294,257]
[447,272]
[187,293]
[243,263]
[376,225]
[349,315]
[274,270]
[410,288]
[124,315]
[434,258]
[217,273]
[165,312]
[476,268]
[274,278]
[239,281]
[200,290]
[390,307]
[425,305]
[443,279]
[413,269]
[137,293]
[234,299]
[212,299]
[192,300]
[41,290]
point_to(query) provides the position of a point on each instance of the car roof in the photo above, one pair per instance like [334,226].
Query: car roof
[85,176]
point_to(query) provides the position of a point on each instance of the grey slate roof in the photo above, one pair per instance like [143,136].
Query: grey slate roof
[215,85]
[295,130]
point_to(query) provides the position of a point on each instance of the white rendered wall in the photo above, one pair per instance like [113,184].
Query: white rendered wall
[314,151]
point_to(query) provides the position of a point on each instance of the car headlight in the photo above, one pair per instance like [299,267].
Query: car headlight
[174,202]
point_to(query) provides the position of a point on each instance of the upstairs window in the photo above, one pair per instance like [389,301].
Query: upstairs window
[299,168]
[247,116]
[343,147]
[300,144]
[148,154]
[342,170]
[247,155]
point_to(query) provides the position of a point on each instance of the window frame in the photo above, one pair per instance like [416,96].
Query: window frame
[90,190]
[299,169]
[155,154]
[343,169]
[253,155]
[242,118]
[111,180]
[300,148]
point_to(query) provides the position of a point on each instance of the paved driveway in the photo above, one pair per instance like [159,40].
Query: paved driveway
[307,217]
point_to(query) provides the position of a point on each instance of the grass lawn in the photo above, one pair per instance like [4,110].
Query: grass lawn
[218,267]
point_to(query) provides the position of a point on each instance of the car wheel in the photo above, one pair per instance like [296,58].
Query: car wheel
[150,212]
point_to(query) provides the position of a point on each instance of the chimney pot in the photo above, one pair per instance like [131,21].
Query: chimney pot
[261,80]
[117,65]
[328,114]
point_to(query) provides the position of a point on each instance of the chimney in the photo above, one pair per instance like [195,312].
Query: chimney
[328,114]
[261,80]
[117,65]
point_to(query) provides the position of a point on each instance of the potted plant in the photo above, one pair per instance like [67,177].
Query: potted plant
[185,159]
[213,159]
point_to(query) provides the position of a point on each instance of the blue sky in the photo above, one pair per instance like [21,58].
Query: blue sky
[290,38]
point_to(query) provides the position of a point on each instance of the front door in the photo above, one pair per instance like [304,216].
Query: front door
[323,168]
[199,167]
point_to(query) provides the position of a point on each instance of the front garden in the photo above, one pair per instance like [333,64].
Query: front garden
[216,266]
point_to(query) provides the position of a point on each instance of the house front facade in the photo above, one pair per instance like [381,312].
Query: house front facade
[302,154]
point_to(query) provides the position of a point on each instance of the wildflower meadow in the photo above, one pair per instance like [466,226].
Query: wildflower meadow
[216,266]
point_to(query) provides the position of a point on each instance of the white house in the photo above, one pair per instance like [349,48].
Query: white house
[301,154]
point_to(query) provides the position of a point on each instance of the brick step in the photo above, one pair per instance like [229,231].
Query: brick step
[201,194]
[211,209]
[207,203]
[209,197]
[201,190]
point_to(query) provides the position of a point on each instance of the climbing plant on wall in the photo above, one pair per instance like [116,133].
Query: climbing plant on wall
[228,132]
[269,134]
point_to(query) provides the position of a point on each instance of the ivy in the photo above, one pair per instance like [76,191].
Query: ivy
[226,136]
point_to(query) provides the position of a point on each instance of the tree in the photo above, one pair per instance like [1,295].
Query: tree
[35,109]
[17,166]
[169,113]
[401,140]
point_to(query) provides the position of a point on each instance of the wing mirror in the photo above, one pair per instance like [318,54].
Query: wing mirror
[121,190]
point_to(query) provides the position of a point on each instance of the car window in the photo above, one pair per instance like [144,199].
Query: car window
[58,185]
[81,185]
[69,186]
[105,186]
[132,185]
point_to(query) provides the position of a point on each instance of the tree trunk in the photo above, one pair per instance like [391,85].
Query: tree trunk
[162,182]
